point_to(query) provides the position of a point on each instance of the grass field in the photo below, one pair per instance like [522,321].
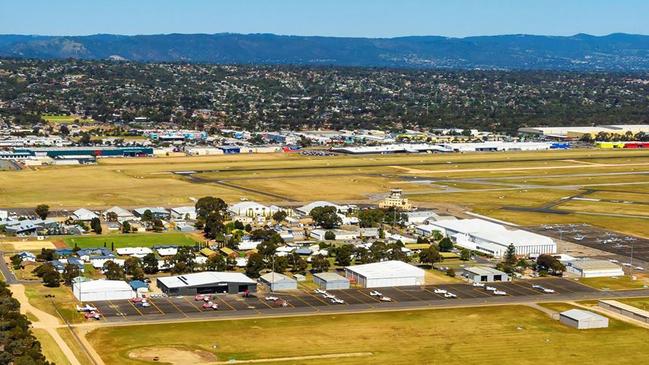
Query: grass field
[50,349]
[529,179]
[62,299]
[131,240]
[65,119]
[642,303]
[616,283]
[454,336]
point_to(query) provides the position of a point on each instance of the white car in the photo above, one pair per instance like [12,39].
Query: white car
[386,299]
[479,285]
[490,288]
[548,291]
[272,298]
[335,300]
[375,293]
[450,295]
[499,292]
[320,291]
[626,264]
[613,261]
[639,268]
[439,291]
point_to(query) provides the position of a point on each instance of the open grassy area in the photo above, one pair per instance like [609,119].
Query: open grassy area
[66,119]
[74,345]
[454,336]
[131,240]
[642,303]
[50,349]
[61,299]
[616,283]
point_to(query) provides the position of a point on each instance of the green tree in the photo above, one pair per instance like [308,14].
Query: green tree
[298,264]
[370,217]
[344,255]
[16,262]
[445,245]
[550,264]
[95,225]
[450,272]
[70,271]
[429,255]
[279,216]
[183,261]
[216,262]
[210,205]
[111,217]
[42,211]
[325,217]
[52,278]
[510,255]
[255,265]
[465,254]
[150,263]
[147,216]
[131,264]
[319,263]
[329,236]
[126,227]
[113,271]
[280,264]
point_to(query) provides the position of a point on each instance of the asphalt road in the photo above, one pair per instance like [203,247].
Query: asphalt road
[9,276]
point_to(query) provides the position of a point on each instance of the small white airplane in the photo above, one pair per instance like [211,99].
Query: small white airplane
[329,296]
[199,297]
[548,291]
[375,293]
[337,301]
[490,288]
[320,291]
[535,286]
[92,315]
[499,292]
[614,261]
[626,264]
[478,284]
[86,308]
[386,299]
[439,291]
[272,298]
[639,268]
[210,305]
[450,295]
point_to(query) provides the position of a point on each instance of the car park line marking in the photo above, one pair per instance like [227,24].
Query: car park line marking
[369,296]
[317,298]
[224,302]
[432,292]
[192,304]
[117,310]
[156,307]
[530,289]
[263,300]
[305,302]
[177,308]
[136,309]
[406,293]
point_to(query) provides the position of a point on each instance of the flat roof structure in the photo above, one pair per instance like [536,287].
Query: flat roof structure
[583,319]
[385,274]
[202,278]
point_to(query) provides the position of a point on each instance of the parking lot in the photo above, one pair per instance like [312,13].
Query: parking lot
[308,301]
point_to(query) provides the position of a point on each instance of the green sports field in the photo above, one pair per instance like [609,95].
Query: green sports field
[131,240]
[488,335]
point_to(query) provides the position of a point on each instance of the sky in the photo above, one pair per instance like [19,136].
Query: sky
[344,18]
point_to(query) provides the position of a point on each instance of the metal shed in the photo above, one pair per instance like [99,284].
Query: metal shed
[582,319]
[278,282]
[330,281]
[207,282]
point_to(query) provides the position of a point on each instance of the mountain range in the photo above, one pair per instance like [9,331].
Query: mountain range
[581,52]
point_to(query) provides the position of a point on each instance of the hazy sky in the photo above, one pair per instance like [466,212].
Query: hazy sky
[365,18]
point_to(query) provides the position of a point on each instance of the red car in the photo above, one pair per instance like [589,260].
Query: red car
[210,305]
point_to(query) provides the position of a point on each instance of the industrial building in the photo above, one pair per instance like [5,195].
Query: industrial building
[578,132]
[330,281]
[99,290]
[481,274]
[385,274]
[278,282]
[207,282]
[96,151]
[590,268]
[582,319]
[491,238]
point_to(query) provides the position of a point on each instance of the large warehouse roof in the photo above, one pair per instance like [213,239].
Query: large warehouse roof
[493,232]
[386,269]
[103,285]
[581,315]
[204,278]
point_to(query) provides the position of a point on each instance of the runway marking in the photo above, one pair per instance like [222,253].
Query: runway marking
[317,298]
[406,293]
[435,294]
[117,310]
[305,302]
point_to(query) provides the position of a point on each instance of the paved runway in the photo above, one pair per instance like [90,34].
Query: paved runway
[304,302]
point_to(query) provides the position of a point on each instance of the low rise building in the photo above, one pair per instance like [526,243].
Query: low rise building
[207,282]
[385,274]
[101,290]
[590,268]
[278,282]
[583,319]
[396,200]
[482,274]
[330,281]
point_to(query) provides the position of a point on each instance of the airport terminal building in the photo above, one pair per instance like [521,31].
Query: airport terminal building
[207,282]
